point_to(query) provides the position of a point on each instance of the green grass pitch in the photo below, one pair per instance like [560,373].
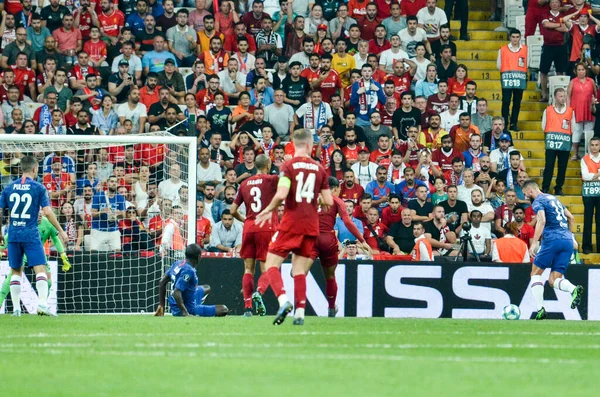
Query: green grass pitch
[236,356]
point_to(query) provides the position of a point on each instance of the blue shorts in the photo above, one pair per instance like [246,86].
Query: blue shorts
[33,249]
[555,254]
[198,309]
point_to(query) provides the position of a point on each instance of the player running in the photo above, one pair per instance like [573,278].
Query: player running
[47,231]
[554,224]
[188,297]
[256,193]
[23,198]
[326,247]
[301,179]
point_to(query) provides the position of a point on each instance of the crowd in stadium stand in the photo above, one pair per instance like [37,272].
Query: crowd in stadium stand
[394,114]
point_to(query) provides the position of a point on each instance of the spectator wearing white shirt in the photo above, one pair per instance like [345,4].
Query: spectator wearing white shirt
[431,18]
[169,188]
[388,58]
[500,157]
[413,35]
[480,235]
[206,170]
[484,207]
[226,236]
[135,63]
[232,81]
[451,117]
[465,190]
[280,115]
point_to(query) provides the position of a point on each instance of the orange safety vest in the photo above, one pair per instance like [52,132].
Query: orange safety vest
[557,133]
[178,242]
[513,68]
[416,250]
[511,250]
[591,188]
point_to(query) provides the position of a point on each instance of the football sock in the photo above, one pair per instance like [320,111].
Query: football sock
[41,284]
[537,289]
[564,285]
[15,291]
[276,282]
[331,289]
[248,288]
[49,286]
[263,283]
[300,294]
[5,290]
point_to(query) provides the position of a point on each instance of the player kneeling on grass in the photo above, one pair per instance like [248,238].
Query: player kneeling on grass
[23,198]
[47,231]
[188,297]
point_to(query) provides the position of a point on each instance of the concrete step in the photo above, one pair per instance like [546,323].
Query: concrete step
[476,25]
[478,55]
[592,259]
[496,106]
[474,5]
[477,45]
[478,35]
[572,172]
[579,231]
[486,65]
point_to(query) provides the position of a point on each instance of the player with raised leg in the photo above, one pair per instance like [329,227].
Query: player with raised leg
[256,193]
[554,223]
[24,197]
[326,247]
[301,179]
[47,231]
[188,297]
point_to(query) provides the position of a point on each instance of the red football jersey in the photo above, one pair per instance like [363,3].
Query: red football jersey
[23,77]
[526,232]
[401,83]
[150,154]
[54,183]
[112,23]
[353,194]
[379,228]
[308,179]
[95,50]
[257,192]
[203,228]
[327,219]
[381,158]
[311,74]
[388,218]
[330,86]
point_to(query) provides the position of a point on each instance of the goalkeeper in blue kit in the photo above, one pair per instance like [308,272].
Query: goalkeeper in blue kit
[188,297]
[47,231]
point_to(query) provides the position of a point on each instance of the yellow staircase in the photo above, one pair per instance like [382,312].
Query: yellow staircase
[479,55]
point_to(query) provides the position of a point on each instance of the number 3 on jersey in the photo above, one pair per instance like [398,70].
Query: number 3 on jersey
[256,206]
[17,199]
[305,188]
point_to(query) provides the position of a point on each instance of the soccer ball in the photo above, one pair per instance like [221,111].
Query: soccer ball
[511,312]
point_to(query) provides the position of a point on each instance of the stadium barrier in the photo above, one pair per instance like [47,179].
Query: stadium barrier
[105,284]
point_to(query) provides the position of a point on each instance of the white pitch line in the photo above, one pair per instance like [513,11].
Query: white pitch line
[282,345]
[301,333]
[309,357]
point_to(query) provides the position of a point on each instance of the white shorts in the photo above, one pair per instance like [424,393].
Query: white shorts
[105,241]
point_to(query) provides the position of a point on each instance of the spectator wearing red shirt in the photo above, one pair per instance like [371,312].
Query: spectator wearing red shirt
[203,226]
[357,8]
[350,190]
[206,98]
[149,94]
[12,6]
[384,8]
[329,82]
[85,18]
[369,22]
[554,50]
[360,211]
[378,228]
[411,7]
[98,52]
[378,43]
[111,21]
[393,212]
[231,44]
[401,77]
[68,39]
[526,231]
[442,157]
[153,155]
[253,20]
[58,184]
[411,148]
[24,77]
[458,84]
[383,154]
[79,72]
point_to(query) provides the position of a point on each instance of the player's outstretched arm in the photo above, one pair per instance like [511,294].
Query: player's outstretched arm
[162,294]
[47,210]
[179,301]
[539,229]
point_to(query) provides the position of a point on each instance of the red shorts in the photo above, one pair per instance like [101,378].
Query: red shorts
[283,243]
[255,245]
[326,249]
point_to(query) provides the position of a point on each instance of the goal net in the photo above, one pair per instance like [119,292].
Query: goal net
[128,206]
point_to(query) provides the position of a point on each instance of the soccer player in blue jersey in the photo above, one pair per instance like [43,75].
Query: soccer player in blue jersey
[23,198]
[188,297]
[554,224]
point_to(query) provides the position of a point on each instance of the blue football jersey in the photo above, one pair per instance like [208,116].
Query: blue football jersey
[184,278]
[557,225]
[24,198]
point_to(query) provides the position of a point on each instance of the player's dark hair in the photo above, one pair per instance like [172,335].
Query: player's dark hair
[193,252]
[28,163]
[333,182]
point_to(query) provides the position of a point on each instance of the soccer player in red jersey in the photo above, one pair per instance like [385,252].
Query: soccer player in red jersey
[256,193]
[301,180]
[326,247]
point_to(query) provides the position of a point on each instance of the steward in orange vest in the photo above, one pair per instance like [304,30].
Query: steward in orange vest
[590,174]
[512,63]
[510,249]
[422,250]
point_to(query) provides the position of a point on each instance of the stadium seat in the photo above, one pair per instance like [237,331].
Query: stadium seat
[225,147]
[555,82]
[534,46]
[33,106]
[185,71]
[512,9]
